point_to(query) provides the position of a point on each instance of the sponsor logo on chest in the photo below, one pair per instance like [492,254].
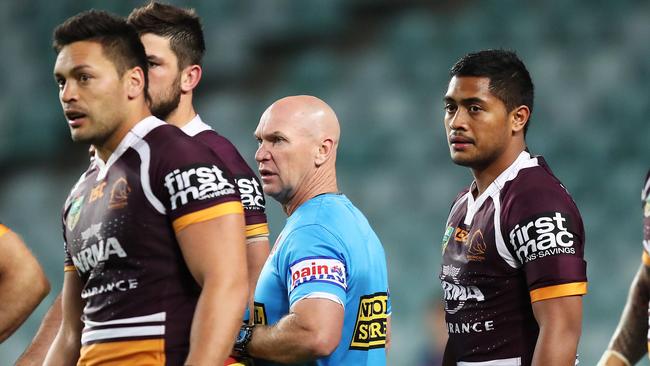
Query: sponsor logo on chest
[196,183]
[541,236]
[328,270]
[456,295]
[101,250]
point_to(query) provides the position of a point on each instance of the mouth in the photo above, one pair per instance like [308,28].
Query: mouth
[266,174]
[460,142]
[74,117]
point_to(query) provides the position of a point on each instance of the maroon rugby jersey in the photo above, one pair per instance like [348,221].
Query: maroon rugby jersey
[248,184]
[520,241]
[120,221]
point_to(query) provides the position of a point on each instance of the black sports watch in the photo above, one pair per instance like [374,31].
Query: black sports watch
[243,338]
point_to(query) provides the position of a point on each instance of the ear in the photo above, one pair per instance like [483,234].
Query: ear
[325,151]
[134,80]
[519,118]
[190,77]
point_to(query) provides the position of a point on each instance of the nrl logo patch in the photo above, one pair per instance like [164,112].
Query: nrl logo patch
[646,209]
[75,212]
[446,237]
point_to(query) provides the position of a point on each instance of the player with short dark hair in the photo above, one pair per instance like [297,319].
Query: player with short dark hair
[513,271]
[631,339]
[153,230]
[22,282]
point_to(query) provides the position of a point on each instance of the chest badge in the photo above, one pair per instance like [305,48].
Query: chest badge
[119,194]
[75,212]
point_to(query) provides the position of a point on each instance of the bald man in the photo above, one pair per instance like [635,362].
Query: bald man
[322,296]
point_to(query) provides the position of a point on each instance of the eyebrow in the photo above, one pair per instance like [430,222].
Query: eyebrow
[75,69]
[465,101]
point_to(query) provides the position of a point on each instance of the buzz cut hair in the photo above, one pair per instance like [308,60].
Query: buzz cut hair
[509,78]
[120,42]
[181,26]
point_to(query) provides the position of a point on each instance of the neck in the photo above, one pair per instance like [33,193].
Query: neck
[105,150]
[319,183]
[184,113]
[484,176]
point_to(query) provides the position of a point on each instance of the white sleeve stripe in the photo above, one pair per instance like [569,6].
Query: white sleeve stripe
[145,157]
[501,245]
[321,295]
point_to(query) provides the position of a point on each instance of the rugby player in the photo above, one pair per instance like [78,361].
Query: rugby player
[631,339]
[322,296]
[512,271]
[173,40]
[153,230]
[23,284]
[174,43]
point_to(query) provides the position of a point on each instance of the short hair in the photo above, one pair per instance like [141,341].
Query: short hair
[120,42]
[181,26]
[509,78]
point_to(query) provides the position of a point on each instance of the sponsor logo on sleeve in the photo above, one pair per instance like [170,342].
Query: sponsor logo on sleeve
[196,183]
[541,236]
[259,315]
[250,193]
[318,269]
[370,327]
[646,208]
[456,295]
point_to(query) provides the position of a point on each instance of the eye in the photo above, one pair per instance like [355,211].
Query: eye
[84,78]
[153,64]
[474,108]
[450,108]
[60,83]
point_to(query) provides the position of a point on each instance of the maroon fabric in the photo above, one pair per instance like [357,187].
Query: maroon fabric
[487,302]
[125,251]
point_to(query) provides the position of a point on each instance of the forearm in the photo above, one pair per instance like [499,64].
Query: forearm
[35,354]
[216,321]
[285,342]
[257,250]
[556,346]
[64,350]
[630,337]
[21,292]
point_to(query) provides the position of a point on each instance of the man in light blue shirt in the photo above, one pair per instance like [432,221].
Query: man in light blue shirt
[322,297]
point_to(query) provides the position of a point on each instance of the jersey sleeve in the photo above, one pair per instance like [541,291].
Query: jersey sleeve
[545,234]
[191,182]
[249,186]
[314,266]
[645,202]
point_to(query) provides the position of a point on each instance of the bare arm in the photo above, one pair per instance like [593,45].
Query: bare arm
[65,348]
[560,325]
[629,342]
[311,330]
[22,283]
[215,253]
[257,250]
[34,355]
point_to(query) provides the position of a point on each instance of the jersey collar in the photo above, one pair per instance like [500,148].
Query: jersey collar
[195,126]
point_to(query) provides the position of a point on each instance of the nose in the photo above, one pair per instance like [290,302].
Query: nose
[68,92]
[262,153]
[457,120]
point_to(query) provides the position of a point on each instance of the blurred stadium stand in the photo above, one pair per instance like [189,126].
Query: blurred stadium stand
[383,66]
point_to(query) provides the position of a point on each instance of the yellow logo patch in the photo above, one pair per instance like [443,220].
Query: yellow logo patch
[259,314]
[370,328]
